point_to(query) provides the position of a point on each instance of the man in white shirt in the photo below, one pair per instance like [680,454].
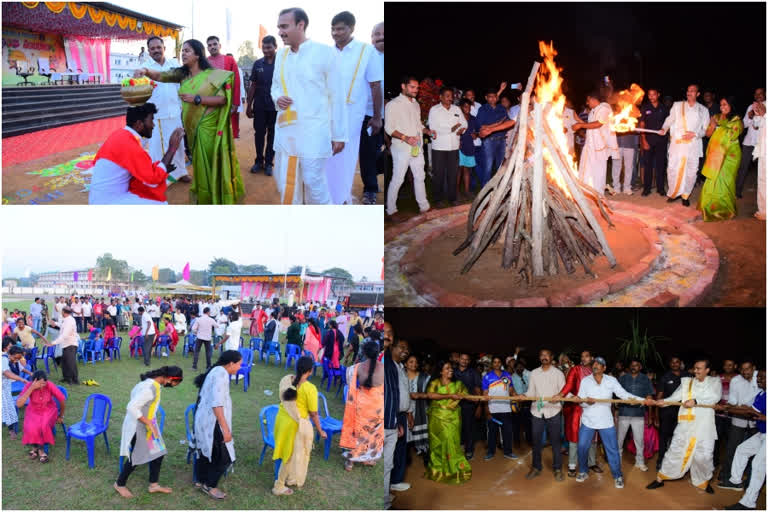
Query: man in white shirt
[69,340]
[168,117]
[597,416]
[402,122]
[600,144]
[687,124]
[148,331]
[752,123]
[448,123]
[761,155]
[693,442]
[135,311]
[370,145]
[77,312]
[231,338]
[546,380]
[87,313]
[361,76]
[36,312]
[57,309]
[311,118]
[203,329]
[741,391]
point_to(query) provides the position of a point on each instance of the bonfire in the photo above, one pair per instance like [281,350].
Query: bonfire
[535,204]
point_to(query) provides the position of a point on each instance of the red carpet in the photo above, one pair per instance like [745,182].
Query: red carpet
[31,146]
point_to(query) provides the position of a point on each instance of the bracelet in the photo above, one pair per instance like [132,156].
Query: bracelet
[198,100]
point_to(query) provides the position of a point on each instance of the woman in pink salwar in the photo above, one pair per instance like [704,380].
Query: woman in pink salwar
[42,413]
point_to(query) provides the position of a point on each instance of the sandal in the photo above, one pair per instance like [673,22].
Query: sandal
[213,493]
[33,454]
[285,492]
[44,458]
[348,465]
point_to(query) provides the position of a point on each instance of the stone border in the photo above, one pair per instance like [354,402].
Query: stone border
[675,218]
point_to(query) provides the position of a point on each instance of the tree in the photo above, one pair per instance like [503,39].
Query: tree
[247,56]
[199,277]
[641,346]
[254,269]
[222,266]
[296,269]
[105,262]
[139,276]
[339,273]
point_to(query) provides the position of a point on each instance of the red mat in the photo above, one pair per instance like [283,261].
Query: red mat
[31,146]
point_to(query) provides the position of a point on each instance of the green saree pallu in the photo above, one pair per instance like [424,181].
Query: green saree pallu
[217,178]
[447,462]
[718,196]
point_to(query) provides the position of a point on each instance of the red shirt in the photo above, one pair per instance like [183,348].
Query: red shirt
[228,63]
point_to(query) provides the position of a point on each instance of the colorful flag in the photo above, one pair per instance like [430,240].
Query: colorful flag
[75,276]
[109,274]
[262,34]
[131,276]
[185,273]
[382,269]
[90,275]
[155,273]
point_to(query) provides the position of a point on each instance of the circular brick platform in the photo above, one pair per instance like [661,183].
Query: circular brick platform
[678,269]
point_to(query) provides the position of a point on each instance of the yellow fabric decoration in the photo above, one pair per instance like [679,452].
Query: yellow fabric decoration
[56,7]
[77,10]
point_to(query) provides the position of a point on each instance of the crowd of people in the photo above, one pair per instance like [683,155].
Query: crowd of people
[312,123]
[699,420]
[700,139]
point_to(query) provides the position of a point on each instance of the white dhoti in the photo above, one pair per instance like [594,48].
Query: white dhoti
[754,446]
[340,168]
[158,145]
[685,453]
[761,154]
[682,168]
[600,145]
[301,180]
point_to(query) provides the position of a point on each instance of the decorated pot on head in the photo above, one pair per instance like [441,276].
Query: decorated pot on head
[137,91]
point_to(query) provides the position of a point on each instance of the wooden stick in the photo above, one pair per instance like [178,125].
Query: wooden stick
[575,399]
[537,192]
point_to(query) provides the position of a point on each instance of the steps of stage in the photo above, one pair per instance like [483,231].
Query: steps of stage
[29,109]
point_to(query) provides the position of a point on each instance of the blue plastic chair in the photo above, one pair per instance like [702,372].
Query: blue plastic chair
[114,352]
[189,424]
[342,380]
[80,350]
[88,430]
[267,417]
[32,358]
[346,391]
[316,365]
[292,354]
[332,375]
[256,344]
[272,348]
[330,425]
[96,353]
[163,341]
[47,355]
[245,368]
[189,344]
[160,423]
[138,347]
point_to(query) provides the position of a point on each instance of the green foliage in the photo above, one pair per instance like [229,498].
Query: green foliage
[641,346]
[340,273]
[120,269]
[254,269]
[222,266]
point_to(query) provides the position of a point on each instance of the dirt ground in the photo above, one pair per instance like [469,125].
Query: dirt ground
[488,279]
[500,484]
[740,241]
[259,189]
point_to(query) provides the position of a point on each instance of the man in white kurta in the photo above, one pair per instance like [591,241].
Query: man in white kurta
[600,144]
[168,117]
[760,153]
[693,442]
[687,124]
[311,114]
[361,72]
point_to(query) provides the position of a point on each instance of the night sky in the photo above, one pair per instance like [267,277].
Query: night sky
[716,333]
[668,45]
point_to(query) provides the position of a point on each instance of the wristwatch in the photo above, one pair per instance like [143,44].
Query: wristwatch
[198,99]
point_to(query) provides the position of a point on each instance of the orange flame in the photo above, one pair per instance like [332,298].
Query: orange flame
[626,119]
[549,90]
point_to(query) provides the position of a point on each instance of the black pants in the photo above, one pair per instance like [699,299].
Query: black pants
[401,448]
[209,472]
[468,427]
[87,320]
[654,164]
[264,126]
[137,319]
[746,163]
[552,426]
[368,152]
[445,168]
[525,423]
[506,432]
[79,322]
[721,424]
[154,469]
[198,343]
[69,365]
[667,424]
[736,436]
[149,339]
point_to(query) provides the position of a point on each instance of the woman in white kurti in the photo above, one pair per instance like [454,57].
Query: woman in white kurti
[142,441]
[600,144]
[213,423]
[180,322]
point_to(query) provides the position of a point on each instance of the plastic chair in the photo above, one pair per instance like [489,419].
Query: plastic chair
[96,353]
[114,351]
[292,354]
[33,357]
[189,424]
[256,344]
[267,417]
[346,392]
[163,341]
[330,374]
[80,349]
[189,344]
[160,423]
[137,348]
[242,342]
[88,430]
[48,355]
[316,365]
[330,425]
[245,368]
[342,380]
[272,348]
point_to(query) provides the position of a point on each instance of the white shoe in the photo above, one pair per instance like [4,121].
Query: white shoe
[610,189]
[628,192]
[402,486]
[641,467]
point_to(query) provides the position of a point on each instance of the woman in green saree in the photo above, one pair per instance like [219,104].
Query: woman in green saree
[206,95]
[718,196]
[447,462]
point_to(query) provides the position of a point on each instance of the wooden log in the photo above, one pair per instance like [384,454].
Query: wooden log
[579,197]
[561,247]
[537,192]
[570,240]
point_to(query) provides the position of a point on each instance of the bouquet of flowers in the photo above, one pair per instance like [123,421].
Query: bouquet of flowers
[137,91]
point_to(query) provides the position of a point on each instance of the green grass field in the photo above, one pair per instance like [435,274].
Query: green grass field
[63,484]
